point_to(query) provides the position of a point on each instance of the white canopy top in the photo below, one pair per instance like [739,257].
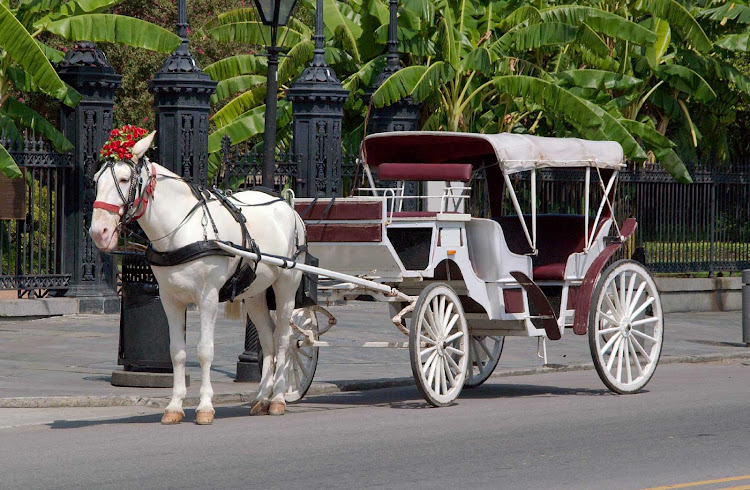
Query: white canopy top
[515,152]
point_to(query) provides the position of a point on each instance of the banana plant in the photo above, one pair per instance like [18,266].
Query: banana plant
[26,61]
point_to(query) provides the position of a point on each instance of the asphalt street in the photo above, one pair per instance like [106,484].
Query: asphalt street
[554,430]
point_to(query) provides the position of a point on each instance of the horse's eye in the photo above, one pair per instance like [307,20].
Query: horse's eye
[124,181]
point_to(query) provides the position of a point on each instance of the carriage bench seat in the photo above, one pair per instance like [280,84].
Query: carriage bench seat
[558,237]
[423,172]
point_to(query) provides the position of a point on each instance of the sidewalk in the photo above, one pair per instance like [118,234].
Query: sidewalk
[68,360]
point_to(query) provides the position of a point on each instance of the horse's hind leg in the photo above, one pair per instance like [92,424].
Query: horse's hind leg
[285,289]
[173,414]
[208,311]
[257,310]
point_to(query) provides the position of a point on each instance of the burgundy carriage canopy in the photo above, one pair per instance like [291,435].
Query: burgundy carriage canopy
[515,152]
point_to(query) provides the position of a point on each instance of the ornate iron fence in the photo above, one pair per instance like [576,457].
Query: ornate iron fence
[242,168]
[31,249]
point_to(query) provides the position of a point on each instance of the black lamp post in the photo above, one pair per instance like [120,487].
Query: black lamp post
[275,14]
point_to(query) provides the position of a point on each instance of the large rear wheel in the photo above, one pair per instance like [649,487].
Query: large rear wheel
[626,327]
[439,344]
[484,354]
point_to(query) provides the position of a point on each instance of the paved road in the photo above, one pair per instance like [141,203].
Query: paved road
[559,430]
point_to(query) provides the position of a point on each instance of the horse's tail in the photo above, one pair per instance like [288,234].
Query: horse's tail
[234,310]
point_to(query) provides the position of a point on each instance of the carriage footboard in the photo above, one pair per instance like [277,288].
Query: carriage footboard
[543,307]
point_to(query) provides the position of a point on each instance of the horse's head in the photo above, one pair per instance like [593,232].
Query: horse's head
[119,186]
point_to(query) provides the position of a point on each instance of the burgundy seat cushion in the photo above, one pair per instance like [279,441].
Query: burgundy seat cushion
[425,171]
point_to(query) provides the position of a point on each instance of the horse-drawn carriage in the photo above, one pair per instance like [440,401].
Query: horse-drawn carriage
[465,282]
[462,283]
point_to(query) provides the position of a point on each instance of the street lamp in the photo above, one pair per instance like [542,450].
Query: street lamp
[275,14]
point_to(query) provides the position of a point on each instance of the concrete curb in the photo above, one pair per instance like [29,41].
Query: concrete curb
[316,389]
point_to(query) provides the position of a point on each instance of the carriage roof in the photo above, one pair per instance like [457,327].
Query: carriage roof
[515,152]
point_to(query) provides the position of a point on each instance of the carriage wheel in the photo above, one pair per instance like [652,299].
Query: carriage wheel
[301,360]
[484,354]
[626,327]
[439,344]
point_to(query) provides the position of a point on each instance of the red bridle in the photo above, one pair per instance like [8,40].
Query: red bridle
[136,201]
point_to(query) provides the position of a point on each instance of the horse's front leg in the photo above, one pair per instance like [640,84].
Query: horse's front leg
[285,289]
[173,414]
[209,307]
[257,310]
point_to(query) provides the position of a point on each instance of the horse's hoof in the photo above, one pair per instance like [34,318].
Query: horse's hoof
[259,408]
[171,418]
[204,417]
[277,408]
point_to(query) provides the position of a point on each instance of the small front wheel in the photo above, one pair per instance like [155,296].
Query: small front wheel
[439,344]
[626,327]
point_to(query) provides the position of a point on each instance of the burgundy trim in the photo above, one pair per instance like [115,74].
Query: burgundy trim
[342,232]
[344,210]
[425,171]
[114,208]
[541,303]
[574,292]
[549,272]
[586,291]
[513,300]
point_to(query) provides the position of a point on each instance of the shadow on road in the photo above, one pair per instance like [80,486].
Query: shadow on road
[153,418]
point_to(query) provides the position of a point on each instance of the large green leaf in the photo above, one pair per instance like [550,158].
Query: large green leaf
[75,8]
[399,85]
[591,120]
[436,74]
[253,33]
[234,66]
[679,18]
[295,61]
[345,30]
[8,129]
[655,51]
[119,29]
[536,36]
[29,118]
[729,11]
[364,76]
[607,23]
[735,42]
[523,14]
[686,80]
[249,125]
[18,44]
[8,166]
[647,133]
[230,86]
[232,17]
[478,60]
[597,79]
[52,54]
[673,164]
[240,105]
[588,38]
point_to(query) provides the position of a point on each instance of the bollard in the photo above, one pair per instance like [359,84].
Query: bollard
[746,307]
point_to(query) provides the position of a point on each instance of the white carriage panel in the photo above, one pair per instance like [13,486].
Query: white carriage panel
[366,259]
[450,237]
[578,263]
[490,256]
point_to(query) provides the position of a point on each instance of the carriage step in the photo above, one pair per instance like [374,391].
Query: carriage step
[549,320]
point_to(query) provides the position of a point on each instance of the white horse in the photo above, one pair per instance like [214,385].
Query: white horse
[164,207]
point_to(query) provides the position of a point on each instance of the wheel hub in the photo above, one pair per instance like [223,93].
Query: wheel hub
[625,327]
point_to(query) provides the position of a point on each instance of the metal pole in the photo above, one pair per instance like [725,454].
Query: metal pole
[269,136]
[746,307]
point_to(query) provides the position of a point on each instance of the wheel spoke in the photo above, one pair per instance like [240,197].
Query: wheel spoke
[609,319]
[427,322]
[448,372]
[453,364]
[636,298]
[428,362]
[605,331]
[433,364]
[619,361]
[631,285]
[641,308]
[427,340]
[615,349]
[485,348]
[622,289]
[428,350]
[637,362]
[610,342]
[453,350]
[611,306]
[651,319]
[640,348]
[627,361]
[616,297]
[444,325]
[455,336]
[643,335]
[304,370]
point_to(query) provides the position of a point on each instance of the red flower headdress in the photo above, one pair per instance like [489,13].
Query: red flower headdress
[120,142]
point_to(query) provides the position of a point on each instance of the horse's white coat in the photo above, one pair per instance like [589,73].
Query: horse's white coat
[272,226]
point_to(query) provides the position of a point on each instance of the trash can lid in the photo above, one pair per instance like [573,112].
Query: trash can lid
[746,276]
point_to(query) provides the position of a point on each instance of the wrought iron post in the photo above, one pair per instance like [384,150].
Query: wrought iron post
[87,126]
[318,110]
[182,94]
[404,114]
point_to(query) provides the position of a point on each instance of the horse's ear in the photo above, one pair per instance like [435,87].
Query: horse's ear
[139,149]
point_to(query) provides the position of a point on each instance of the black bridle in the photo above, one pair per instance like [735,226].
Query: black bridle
[136,194]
